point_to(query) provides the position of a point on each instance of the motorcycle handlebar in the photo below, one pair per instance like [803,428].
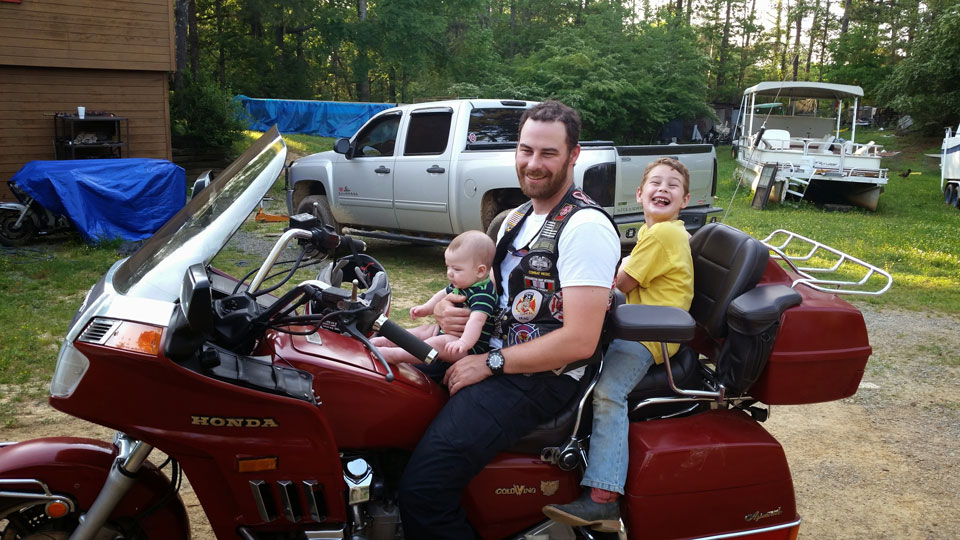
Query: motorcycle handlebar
[327,240]
[405,340]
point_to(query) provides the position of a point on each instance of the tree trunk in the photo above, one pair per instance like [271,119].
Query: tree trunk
[180,42]
[845,21]
[823,40]
[193,38]
[813,29]
[796,38]
[721,67]
[362,69]
[746,43]
[221,54]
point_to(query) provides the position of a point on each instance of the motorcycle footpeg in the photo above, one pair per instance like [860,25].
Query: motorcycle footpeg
[550,454]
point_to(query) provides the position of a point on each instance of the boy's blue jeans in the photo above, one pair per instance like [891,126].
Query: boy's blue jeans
[625,363]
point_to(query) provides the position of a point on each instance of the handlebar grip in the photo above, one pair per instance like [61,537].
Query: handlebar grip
[405,340]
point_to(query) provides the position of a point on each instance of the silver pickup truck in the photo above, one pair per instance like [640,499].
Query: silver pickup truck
[426,172]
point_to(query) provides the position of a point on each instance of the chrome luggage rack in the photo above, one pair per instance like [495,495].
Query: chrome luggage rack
[823,251]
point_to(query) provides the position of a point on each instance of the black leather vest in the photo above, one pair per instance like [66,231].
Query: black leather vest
[536,303]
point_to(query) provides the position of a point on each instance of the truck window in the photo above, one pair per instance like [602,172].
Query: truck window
[428,134]
[494,125]
[379,138]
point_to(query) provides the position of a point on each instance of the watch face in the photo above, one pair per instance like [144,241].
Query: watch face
[495,360]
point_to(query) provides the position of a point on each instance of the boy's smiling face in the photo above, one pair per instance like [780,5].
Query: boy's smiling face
[662,195]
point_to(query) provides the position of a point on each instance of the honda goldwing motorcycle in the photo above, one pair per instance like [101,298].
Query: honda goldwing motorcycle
[290,425]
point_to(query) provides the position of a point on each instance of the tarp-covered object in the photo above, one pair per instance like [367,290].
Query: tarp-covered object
[107,198]
[324,118]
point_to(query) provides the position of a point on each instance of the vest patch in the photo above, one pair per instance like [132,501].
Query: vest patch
[522,333]
[526,305]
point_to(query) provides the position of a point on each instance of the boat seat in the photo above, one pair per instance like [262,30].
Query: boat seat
[863,149]
[776,139]
[826,147]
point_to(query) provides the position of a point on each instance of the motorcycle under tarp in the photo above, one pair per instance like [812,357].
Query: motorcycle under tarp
[106,199]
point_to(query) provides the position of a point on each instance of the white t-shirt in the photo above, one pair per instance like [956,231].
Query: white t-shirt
[589,251]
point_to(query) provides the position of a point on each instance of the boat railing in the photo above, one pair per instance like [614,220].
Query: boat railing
[823,259]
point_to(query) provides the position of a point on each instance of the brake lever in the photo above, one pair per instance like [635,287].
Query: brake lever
[353,331]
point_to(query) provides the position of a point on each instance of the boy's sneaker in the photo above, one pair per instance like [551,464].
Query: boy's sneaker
[584,512]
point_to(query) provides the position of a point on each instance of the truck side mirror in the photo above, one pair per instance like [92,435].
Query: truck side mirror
[342,146]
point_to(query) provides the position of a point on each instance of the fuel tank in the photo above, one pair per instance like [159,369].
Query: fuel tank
[364,409]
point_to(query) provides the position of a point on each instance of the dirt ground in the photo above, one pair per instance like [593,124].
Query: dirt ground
[884,464]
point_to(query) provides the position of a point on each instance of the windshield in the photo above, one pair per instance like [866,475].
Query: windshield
[204,225]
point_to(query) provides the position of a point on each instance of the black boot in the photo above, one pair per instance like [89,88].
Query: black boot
[584,512]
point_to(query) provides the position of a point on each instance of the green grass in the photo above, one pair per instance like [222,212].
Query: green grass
[911,235]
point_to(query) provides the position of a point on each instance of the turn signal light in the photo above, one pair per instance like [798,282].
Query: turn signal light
[257,464]
[56,509]
[130,336]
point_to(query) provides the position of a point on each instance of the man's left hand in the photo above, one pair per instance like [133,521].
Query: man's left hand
[466,371]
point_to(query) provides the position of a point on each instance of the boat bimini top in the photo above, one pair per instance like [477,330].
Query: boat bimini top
[803,89]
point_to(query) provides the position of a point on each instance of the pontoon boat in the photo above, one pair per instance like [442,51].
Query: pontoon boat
[813,161]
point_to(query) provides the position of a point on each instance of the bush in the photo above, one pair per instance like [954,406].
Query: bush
[204,115]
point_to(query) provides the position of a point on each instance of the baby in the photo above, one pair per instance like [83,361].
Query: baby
[468,259]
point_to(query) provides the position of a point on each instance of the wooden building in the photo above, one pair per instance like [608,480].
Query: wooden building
[106,55]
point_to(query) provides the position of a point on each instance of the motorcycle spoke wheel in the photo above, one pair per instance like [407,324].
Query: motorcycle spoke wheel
[10,234]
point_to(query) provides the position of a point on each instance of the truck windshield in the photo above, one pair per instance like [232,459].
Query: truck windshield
[494,125]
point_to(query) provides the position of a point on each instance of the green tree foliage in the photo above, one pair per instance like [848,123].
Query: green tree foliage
[629,65]
[925,83]
[202,114]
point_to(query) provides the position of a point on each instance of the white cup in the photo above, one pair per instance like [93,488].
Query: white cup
[81,112]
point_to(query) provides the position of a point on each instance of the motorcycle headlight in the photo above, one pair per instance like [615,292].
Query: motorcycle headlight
[71,365]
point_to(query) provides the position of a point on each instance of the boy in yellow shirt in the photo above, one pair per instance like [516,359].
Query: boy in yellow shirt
[659,271]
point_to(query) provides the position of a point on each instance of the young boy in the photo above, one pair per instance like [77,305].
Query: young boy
[659,271]
[468,259]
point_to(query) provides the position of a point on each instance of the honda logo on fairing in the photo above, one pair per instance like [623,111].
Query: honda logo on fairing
[233,421]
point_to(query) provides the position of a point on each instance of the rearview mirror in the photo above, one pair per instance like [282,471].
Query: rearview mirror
[196,299]
[342,146]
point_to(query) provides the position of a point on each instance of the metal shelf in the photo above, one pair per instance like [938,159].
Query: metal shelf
[112,134]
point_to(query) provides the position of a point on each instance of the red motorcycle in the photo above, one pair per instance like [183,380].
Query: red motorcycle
[291,426]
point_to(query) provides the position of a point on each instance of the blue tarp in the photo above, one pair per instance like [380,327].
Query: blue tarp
[324,118]
[107,198]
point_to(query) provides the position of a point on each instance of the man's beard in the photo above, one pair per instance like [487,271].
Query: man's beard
[548,187]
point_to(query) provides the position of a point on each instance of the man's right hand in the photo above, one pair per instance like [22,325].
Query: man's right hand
[452,319]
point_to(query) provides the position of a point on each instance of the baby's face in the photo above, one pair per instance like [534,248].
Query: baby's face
[462,268]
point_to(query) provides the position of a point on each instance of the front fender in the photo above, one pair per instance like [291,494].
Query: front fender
[78,467]
[310,175]
[16,207]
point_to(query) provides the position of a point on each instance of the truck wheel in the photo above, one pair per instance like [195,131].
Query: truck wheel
[13,236]
[494,228]
[321,211]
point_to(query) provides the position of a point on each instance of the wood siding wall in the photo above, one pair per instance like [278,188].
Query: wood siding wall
[93,34]
[30,97]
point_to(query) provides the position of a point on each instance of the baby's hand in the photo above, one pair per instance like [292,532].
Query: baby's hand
[456,347]
[417,312]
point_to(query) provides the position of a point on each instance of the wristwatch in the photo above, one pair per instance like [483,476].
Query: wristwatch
[495,361]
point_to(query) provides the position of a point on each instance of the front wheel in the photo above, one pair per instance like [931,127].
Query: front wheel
[14,235]
[320,210]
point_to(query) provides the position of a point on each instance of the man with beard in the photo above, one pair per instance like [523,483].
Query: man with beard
[554,269]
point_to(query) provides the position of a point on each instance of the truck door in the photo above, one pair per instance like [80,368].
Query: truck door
[422,181]
[363,184]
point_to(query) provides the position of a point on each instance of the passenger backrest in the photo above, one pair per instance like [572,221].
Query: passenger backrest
[726,263]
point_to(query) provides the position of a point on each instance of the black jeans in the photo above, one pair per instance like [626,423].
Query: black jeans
[472,428]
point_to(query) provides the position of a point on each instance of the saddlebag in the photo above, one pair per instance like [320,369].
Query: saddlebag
[753,319]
